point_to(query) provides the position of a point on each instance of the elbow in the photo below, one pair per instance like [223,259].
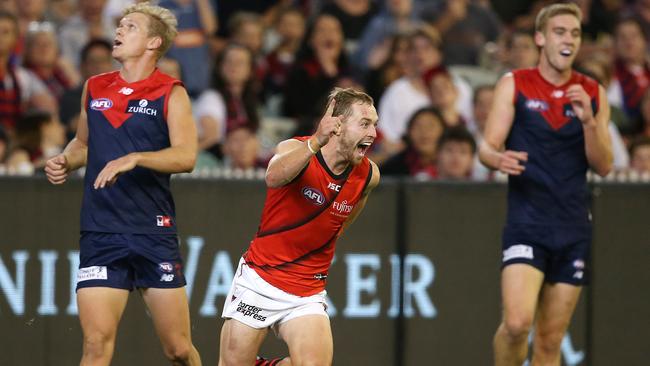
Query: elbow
[271,180]
[604,170]
[189,163]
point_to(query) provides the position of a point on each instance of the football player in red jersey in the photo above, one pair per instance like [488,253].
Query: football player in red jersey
[135,129]
[316,186]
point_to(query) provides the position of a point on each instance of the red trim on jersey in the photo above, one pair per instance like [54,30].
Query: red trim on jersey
[552,98]
[300,224]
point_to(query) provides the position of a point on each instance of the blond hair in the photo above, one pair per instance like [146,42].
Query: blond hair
[554,10]
[162,23]
[345,98]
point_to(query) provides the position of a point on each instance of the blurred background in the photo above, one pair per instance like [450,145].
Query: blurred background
[416,280]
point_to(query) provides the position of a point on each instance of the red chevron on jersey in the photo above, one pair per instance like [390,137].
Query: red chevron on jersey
[301,221]
[550,100]
[119,100]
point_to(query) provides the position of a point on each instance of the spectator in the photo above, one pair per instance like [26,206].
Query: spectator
[354,16]
[398,17]
[444,97]
[320,63]
[465,27]
[95,59]
[247,29]
[59,11]
[290,28]
[521,51]
[42,58]
[84,26]
[640,11]
[28,12]
[20,89]
[392,68]
[418,159]
[456,153]
[408,94]
[231,103]
[241,150]
[4,149]
[196,22]
[38,138]
[482,102]
[632,72]
[644,117]
[640,155]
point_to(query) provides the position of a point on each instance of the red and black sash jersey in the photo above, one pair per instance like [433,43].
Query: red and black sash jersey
[123,118]
[295,243]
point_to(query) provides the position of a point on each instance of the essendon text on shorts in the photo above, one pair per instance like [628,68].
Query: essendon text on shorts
[250,310]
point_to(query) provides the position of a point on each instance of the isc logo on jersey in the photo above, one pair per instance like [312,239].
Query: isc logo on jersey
[313,195]
[141,108]
[101,104]
[537,105]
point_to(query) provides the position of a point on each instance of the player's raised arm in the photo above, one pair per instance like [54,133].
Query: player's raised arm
[75,154]
[180,157]
[598,144]
[497,128]
[293,155]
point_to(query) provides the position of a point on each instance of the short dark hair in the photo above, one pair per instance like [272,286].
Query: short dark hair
[457,134]
[5,15]
[479,89]
[101,43]
[631,20]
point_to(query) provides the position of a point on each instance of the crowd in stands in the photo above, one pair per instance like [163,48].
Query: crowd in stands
[259,71]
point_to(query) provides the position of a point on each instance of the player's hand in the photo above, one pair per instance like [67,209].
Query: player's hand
[113,169]
[510,162]
[56,169]
[581,103]
[328,126]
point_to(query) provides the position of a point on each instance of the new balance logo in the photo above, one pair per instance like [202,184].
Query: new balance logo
[167,277]
[126,91]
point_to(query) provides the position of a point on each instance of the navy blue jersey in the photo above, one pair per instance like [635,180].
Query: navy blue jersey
[124,118]
[553,188]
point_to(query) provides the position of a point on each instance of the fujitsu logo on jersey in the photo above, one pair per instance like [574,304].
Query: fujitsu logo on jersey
[313,195]
[537,105]
[343,207]
[141,108]
[101,104]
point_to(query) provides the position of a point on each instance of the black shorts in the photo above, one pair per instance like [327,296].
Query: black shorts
[129,261]
[560,252]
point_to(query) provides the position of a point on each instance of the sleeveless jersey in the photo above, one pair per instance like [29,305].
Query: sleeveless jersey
[301,221]
[553,188]
[124,118]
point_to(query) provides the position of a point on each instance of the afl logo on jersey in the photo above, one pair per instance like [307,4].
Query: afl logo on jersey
[537,105]
[313,195]
[101,104]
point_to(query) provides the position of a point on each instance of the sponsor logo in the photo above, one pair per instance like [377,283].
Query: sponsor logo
[101,104]
[569,112]
[163,221]
[126,91]
[537,105]
[250,310]
[579,264]
[578,275]
[320,276]
[518,251]
[92,273]
[166,267]
[141,108]
[342,207]
[167,277]
[313,195]
[557,94]
[334,187]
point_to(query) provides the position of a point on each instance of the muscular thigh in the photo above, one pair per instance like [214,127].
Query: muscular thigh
[520,287]
[100,310]
[309,339]
[239,343]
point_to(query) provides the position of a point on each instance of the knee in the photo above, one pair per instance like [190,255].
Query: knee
[178,352]
[98,344]
[517,326]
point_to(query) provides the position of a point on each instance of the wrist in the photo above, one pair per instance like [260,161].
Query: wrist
[313,145]
[589,122]
[135,157]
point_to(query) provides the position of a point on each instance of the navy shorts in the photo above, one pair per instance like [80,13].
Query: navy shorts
[560,252]
[129,261]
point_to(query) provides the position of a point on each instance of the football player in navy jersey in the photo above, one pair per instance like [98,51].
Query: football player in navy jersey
[546,128]
[135,130]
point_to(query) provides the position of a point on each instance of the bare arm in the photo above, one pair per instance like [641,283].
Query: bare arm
[75,153]
[179,157]
[293,155]
[208,19]
[374,181]
[497,128]
[598,144]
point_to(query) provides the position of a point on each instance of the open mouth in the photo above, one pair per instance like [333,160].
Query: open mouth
[364,147]
[566,52]
[116,43]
